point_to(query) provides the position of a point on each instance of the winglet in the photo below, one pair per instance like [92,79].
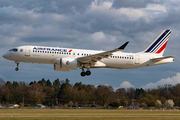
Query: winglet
[123,46]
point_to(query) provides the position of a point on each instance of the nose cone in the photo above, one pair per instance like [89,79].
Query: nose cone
[7,56]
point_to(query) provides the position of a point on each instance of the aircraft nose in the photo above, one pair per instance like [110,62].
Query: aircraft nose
[6,56]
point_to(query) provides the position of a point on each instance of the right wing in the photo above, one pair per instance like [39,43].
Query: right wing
[161,58]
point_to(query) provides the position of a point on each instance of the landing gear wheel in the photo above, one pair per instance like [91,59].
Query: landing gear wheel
[17,69]
[88,73]
[83,74]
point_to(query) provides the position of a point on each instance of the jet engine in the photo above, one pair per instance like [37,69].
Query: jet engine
[64,64]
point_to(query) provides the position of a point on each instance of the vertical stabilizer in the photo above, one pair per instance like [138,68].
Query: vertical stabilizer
[159,44]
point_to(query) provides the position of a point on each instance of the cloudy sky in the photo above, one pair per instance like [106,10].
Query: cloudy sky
[90,24]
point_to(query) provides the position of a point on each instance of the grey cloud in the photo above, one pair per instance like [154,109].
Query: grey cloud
[131,3]
[11,15]
[45,6]
[30,26]
[64,26]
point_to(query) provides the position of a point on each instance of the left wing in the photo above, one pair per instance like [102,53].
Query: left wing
[97,57]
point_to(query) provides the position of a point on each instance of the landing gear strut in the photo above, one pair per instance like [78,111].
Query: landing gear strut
[17,68]
[83,73]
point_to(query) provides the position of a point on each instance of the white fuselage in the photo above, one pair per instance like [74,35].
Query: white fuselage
[47,55]
[65,59]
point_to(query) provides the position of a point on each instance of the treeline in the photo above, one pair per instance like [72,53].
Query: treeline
[62,93]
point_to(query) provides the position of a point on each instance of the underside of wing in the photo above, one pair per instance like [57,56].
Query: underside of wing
[161,58]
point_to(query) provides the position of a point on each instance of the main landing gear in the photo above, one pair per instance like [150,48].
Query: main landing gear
[83,73]
[17,68]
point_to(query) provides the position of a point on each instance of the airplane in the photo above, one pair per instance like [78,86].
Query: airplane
[65,59]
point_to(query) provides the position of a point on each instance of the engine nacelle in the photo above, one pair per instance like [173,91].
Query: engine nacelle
[64,64]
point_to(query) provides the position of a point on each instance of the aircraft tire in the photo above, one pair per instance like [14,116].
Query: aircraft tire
[83,74]
[88,73]
[17,69]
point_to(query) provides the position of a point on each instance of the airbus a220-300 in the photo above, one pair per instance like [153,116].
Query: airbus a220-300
[65,59]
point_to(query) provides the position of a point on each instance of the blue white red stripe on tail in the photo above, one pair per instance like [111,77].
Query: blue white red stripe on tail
[159,44]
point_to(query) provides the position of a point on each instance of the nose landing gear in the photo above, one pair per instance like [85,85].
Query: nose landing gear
[17,68]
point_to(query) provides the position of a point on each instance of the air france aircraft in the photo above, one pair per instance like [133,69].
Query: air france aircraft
[65,59]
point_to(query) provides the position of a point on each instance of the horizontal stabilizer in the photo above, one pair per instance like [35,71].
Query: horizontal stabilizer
[161,58]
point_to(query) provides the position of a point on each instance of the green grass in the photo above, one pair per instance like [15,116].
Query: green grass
[83,112]
[86,112]
[93,118]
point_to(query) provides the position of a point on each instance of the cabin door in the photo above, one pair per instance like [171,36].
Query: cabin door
[27,51]
[137,59]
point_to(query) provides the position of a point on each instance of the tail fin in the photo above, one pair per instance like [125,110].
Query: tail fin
[159,44]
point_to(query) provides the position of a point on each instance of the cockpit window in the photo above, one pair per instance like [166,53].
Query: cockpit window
[14,50]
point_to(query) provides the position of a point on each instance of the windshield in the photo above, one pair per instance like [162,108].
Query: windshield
[14,50]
